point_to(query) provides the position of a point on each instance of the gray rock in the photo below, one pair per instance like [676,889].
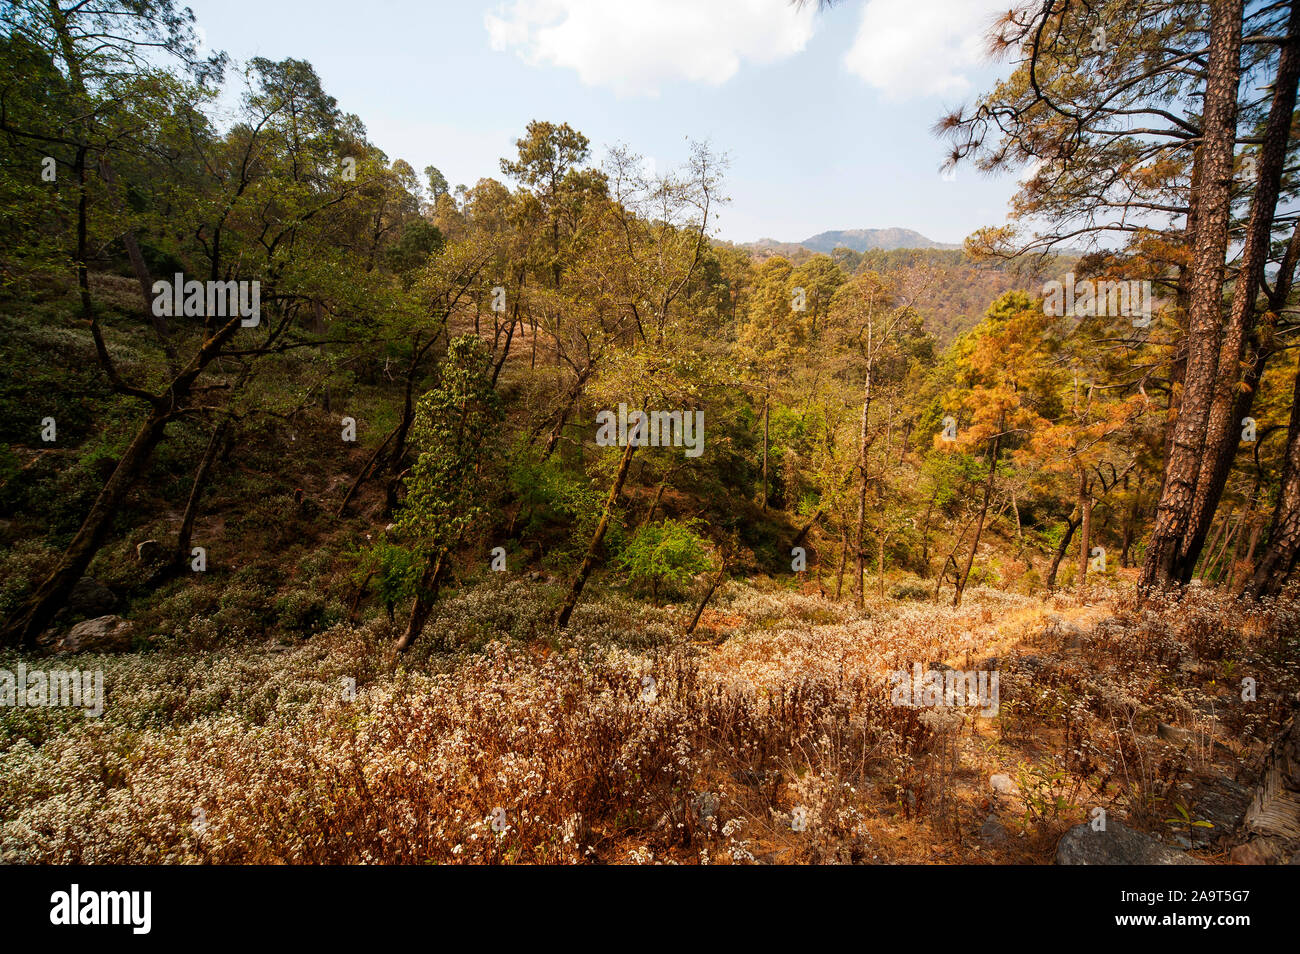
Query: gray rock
[105,634]
[1073,636]
[1117,845]
[1222,802]
[1260,851]
[89,598]
[992,832]
[1172,734]
[1002,784]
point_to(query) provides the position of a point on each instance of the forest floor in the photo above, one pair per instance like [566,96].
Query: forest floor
[772,734]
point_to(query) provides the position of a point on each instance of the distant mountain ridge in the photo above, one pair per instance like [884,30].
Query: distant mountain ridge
[860,240]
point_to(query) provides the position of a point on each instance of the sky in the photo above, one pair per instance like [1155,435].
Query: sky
[825,115]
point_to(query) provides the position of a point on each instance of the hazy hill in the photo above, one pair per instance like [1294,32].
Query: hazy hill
[860,240]
[956,289]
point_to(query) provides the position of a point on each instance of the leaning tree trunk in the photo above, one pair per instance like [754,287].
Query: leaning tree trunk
[979,525]
[561,416]
[426,595]
[369,468]
[34,615]
[36,612]
[597,538]
[201,477]
[1218,135]
[1071,524]
[708,595]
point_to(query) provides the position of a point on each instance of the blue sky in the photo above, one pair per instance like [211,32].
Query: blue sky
[825,116]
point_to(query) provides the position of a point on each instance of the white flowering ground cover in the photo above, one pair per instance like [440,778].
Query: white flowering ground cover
[768,736]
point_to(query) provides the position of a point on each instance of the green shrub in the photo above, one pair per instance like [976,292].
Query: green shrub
[911,590]
[303,612]
[394,568]
[668,552]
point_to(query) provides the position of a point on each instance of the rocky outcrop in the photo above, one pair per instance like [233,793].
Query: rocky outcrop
[105,634]
[89,598]
[1117,845]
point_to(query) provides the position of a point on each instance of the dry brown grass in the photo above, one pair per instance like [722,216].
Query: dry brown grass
[770,739]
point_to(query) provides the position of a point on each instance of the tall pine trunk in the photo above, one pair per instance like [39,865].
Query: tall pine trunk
[1231,400]
[1215,154]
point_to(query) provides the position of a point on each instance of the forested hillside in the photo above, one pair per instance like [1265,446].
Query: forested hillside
[953,288]
[526,520]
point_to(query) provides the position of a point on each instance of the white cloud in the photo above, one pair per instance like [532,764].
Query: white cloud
[635,46]
[908,48]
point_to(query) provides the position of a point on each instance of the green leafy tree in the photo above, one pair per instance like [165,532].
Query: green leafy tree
[667,552]
[437,183]
[448,487]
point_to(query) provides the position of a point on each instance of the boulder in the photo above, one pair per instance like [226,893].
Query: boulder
[148,552]
[89,598]
[104,634]
[1117,845]
[1002,784]
[1072,635]
[993,832]
[1260,851]
[1222,802]
[1173,734]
